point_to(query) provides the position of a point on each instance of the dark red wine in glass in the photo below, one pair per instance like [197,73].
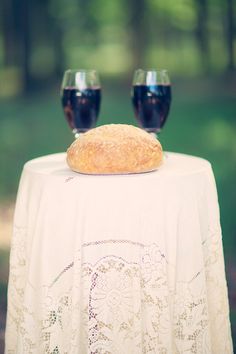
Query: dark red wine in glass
[151,97]
[81,98]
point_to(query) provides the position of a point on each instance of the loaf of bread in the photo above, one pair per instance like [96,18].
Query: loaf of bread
[115,149]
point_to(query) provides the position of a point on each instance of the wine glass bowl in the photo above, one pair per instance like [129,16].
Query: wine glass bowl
[151,98]
[81,99]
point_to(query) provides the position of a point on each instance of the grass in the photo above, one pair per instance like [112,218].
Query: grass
[202,122]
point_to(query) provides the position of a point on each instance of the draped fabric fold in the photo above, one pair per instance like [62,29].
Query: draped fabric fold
[117,264]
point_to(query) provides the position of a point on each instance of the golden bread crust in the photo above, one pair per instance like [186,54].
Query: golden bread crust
[114,149]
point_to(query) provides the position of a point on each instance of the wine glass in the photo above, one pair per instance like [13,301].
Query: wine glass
[151,97]
[81,98]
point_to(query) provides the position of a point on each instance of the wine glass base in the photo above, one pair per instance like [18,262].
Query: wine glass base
[154,132]
[154,135]
[78,133]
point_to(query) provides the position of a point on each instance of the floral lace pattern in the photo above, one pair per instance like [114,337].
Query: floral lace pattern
[119,304]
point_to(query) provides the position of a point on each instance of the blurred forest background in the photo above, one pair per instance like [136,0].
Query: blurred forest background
[194,39]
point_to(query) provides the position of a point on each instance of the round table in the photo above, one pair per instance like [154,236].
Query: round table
[117,264]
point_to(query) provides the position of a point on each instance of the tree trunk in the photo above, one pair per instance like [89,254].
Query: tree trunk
[58,51]
[230,34]
[138,31]
[24,38]
[8,30]
[202,32]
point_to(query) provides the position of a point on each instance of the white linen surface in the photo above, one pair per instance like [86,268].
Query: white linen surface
[124,264]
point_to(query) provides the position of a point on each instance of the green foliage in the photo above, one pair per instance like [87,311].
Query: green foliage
[181,14]
[102,34]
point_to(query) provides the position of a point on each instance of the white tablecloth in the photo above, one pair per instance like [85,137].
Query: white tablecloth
[124,264]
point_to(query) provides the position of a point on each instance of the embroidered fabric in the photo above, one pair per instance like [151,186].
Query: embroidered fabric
[161,289]
[117,305]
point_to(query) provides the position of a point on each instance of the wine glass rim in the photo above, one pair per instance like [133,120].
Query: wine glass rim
[80,70]
[153,70]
